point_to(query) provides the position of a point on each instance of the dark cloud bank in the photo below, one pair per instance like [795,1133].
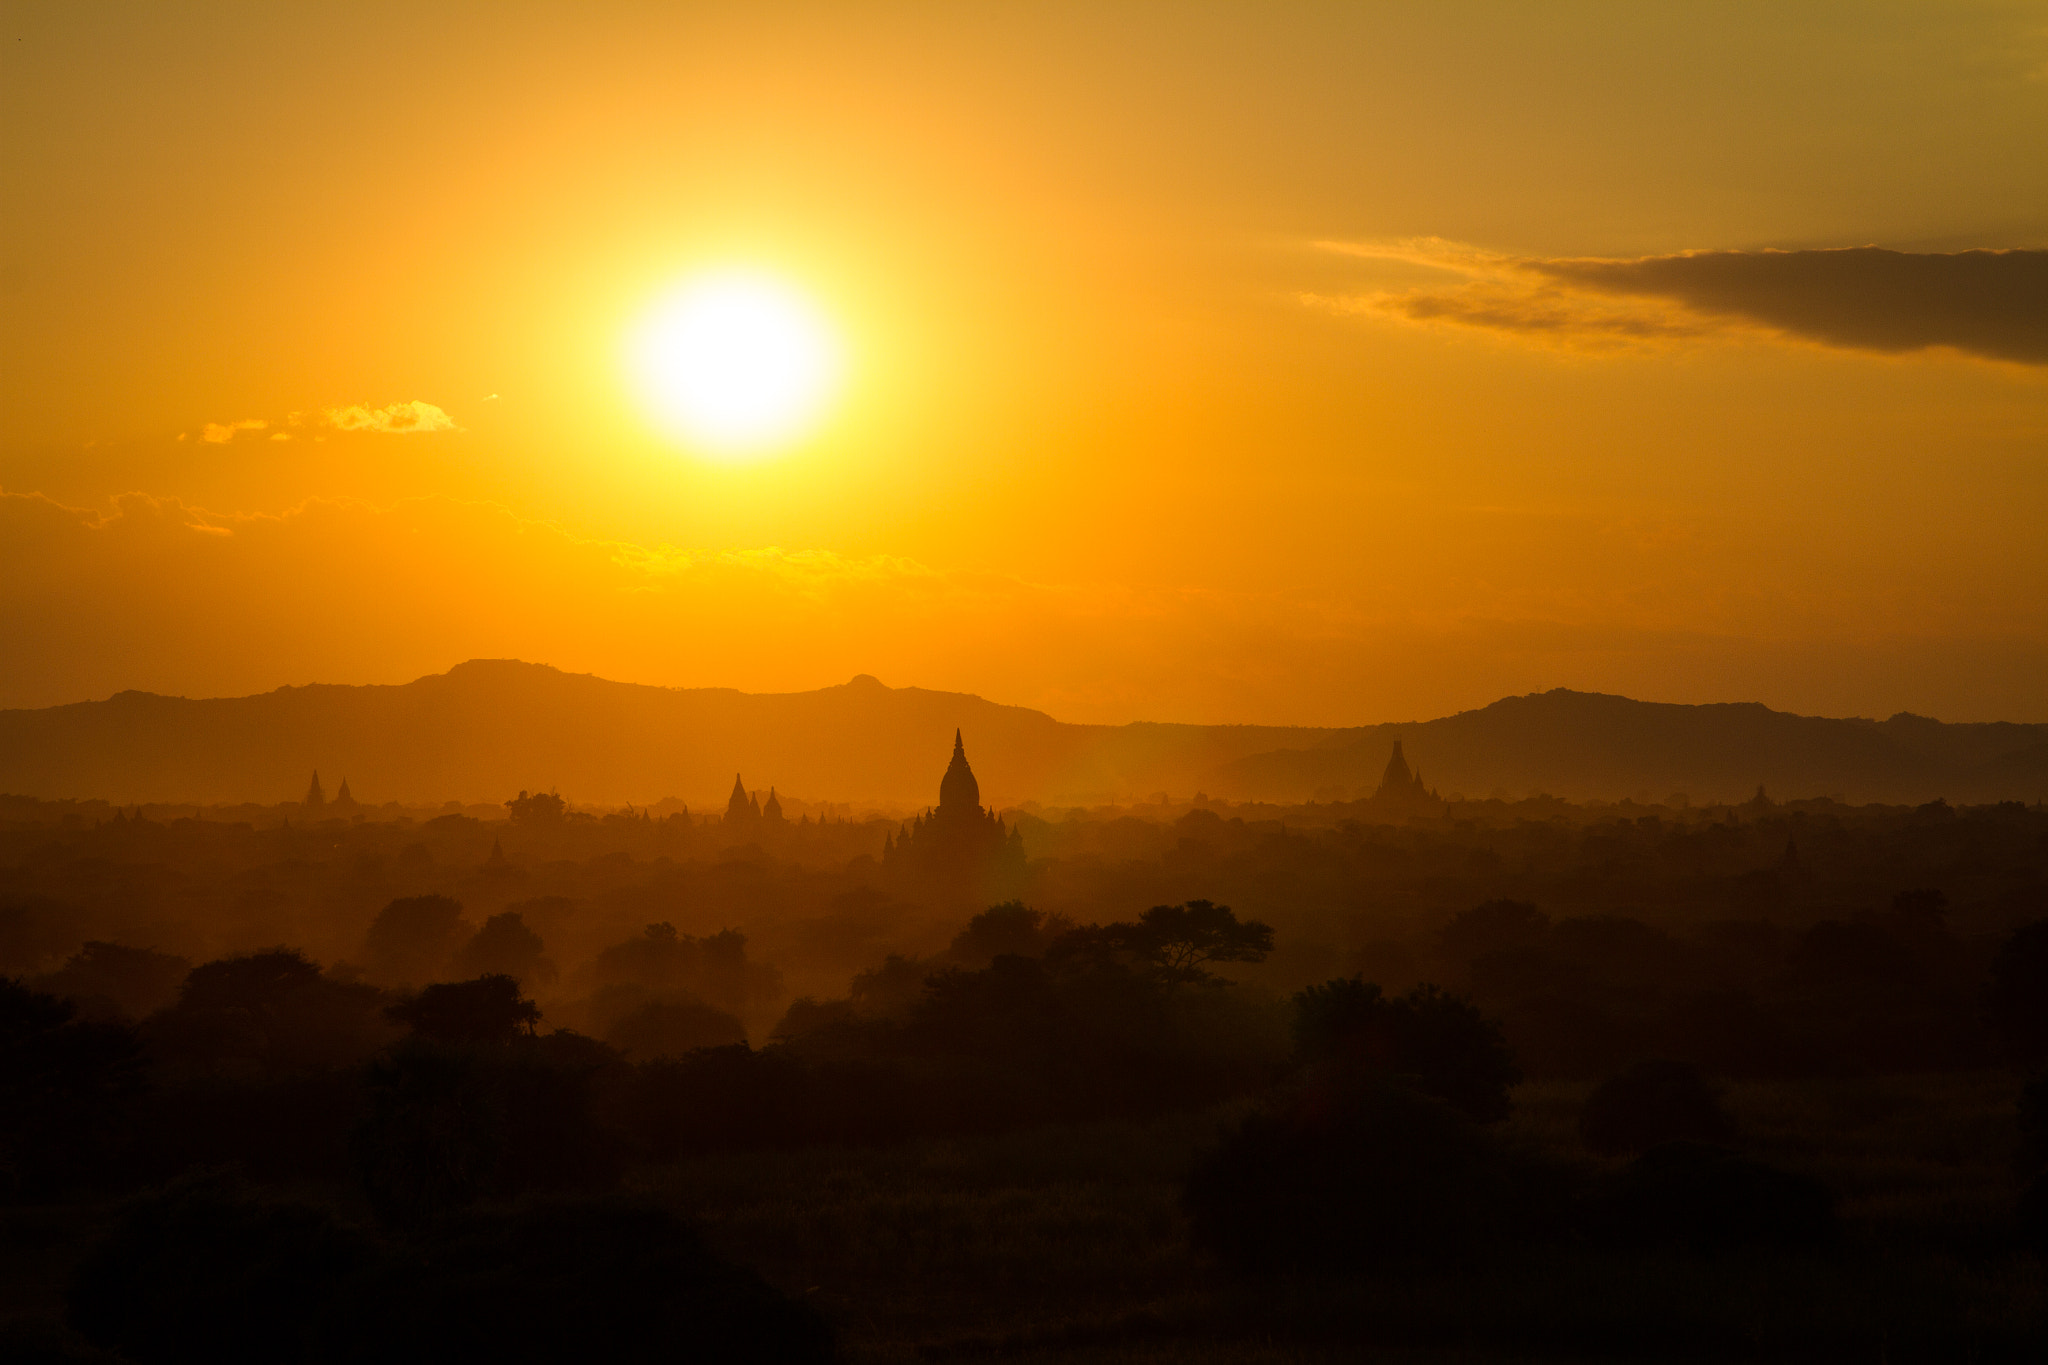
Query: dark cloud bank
[1987,303]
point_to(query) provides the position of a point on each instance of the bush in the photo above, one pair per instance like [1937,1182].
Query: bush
[1650,1104]
[201,1272]
[1362,1174]
[1704,1198]
[1435,1041]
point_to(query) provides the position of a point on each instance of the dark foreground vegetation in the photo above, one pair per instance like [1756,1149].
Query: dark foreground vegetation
[1539,1081]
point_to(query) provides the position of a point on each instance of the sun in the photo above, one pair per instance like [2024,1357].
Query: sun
[735,363]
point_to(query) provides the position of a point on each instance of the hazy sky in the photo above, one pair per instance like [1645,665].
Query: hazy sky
[1292,363]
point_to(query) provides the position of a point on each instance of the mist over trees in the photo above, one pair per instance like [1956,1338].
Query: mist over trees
[482,1034]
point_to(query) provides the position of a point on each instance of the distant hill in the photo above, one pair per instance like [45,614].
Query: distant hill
[1586,745]
[489,727]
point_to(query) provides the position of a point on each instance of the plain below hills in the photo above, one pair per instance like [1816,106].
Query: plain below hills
[488,728]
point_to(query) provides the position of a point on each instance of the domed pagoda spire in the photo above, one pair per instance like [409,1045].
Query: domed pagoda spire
[959,793]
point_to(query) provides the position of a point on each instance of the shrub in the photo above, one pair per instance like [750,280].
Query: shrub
[1652,1103]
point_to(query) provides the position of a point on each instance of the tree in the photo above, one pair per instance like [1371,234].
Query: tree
[486,1010]
[273,1011]
[1497,926]
[506,947]
[1436,1041]
[67,1089]
[2019,991]
[537,808]
[1652,1103]
[1012,928]
[1171,943]
[203,1271]
[412,937]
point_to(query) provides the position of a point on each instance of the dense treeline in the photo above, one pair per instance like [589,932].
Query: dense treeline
[485,1062]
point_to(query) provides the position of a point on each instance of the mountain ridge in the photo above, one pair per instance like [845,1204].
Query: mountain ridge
[489,727]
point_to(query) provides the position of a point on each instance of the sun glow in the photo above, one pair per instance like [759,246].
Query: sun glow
[736,364]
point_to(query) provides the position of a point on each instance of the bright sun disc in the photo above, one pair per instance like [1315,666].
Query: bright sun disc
[735,364]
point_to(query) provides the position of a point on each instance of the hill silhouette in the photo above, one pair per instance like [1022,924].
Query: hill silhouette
[1587,745]
[490,727]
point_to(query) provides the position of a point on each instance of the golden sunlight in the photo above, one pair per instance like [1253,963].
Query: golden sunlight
[735,363]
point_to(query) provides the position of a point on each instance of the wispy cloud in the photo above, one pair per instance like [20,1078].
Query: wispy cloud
[1990,304]
[220,433]
[399,419]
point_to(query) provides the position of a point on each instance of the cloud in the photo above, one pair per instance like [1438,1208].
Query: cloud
[1990,304]
[399,419]
[220,433]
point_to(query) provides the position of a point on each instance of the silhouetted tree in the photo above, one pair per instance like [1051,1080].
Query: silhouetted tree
[109,980]
[486,1010]
[1437,1042]
[597,1281]
[68,1089]
[505,946]
[537,808]
[1353,1174]
[430,1142]
[1705,1198]
[2019,991]
[450,1123]
[202,1272]
[1012,929]
[412,938]
[1173,943]
[267,1012]
[1497,926]
[671,1025]
[1652,1103]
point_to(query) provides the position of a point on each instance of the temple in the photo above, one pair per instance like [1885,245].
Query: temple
[1401,792]
[957,850]
[742,811]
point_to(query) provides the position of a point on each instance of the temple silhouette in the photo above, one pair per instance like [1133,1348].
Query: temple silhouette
[957,850]
[1401,791]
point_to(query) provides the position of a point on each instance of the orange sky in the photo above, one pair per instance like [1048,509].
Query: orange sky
[1206,362]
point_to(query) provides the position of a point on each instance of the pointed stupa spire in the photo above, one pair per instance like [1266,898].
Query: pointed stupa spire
[740,809]
[1397,778]
[314,796]
[772,810]
[959,793]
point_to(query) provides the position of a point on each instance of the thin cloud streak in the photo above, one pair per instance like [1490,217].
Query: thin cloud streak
[1988,304]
